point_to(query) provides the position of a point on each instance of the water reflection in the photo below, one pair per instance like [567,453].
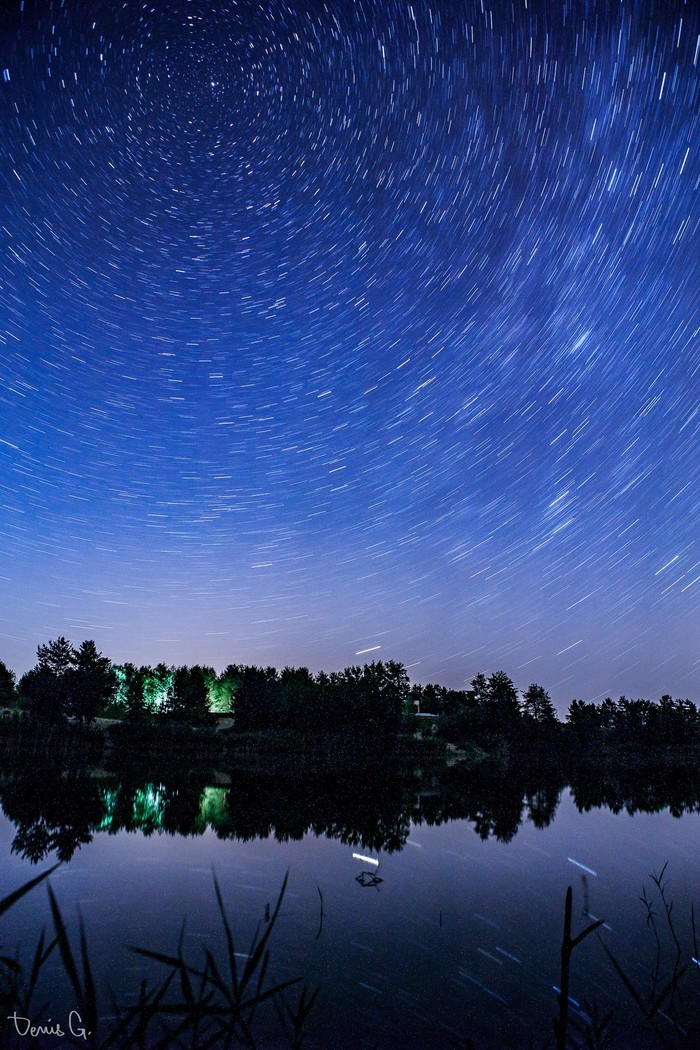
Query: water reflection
[56,812]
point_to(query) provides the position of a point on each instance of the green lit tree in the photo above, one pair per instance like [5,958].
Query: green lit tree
[157,682]
[219,691]
[223,691]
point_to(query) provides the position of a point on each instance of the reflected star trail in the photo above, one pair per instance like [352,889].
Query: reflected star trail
[352,327]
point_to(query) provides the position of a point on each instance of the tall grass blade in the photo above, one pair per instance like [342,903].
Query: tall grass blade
[167,960]
[667,991]
[85,989]
[90,996]
[142,1011]
[293,1020]
[40,957]
[230,945]
[13,897]
[215,976]
[633,992]
[584,933]
[64,947]
[270,992]
[257,947]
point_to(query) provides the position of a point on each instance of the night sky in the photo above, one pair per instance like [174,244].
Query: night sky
[354,330]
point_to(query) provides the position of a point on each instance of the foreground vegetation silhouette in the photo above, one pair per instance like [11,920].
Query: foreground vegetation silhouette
[200,1004]
[197,1005]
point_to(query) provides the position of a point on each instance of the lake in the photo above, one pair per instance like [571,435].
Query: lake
[454,934]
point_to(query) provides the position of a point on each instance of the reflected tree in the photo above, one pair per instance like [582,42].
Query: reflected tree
[52,812]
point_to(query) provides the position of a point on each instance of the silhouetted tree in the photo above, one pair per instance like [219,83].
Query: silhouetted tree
[296,698]
[46,686]
[632,719]
[254,705]
[480,690]
[538,706]
[44,694]
[678,722]
[428,699]
[503,701]
[607,713]
[389,694]
[133,689]
[56,657]
[7,686]
[465,715]
[188,697]
[369,700]
[322,714]
[91,683]
[582,718]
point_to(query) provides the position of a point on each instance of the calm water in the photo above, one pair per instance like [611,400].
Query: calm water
[460,938]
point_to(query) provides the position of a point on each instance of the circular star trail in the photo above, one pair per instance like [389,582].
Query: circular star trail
[356,326]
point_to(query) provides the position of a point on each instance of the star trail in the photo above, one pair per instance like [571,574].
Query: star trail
[356,326]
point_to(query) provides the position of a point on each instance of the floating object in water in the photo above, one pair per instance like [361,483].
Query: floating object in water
[368,878]
[509,956]
[581,866]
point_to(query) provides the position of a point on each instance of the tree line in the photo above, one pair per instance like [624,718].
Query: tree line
[375,699]
[82,684]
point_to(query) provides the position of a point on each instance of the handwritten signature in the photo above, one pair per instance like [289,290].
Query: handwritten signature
[25,1026]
